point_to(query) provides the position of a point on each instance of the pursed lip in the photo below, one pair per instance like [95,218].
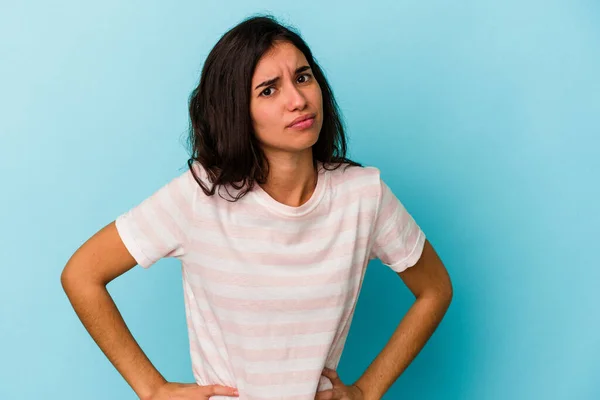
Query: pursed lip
[301,118]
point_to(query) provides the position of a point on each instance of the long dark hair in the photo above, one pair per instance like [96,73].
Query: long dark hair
[221,135]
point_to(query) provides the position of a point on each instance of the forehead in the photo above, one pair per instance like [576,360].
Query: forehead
[280,57]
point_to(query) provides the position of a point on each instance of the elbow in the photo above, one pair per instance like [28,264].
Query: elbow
[441,293]
[447,296]
[74,276]
[446,292]
[444,288]
[68,278]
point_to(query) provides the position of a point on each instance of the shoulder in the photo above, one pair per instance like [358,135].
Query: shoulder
[200,182]
[349,181]
[184,187]
[347,174]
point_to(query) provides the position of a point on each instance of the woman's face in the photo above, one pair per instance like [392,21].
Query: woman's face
[275,104]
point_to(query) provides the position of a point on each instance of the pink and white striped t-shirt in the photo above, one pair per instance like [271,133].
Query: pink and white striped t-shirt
[270,289]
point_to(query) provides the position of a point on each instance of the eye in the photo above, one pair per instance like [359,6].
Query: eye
[263,92]
[308,77]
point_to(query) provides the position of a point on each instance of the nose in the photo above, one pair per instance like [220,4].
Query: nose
[295,98]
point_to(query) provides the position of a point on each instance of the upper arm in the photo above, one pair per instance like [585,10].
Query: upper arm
[102,258]
[428,276]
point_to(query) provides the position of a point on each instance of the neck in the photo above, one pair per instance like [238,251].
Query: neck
[291,181]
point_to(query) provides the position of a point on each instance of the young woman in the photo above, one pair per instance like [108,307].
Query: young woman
[274,228]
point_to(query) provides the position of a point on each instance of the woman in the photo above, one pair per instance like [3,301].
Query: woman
[274,227]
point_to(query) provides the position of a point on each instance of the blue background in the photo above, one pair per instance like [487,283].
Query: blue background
[483,117]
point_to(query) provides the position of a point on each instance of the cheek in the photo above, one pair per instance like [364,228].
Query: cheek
[261,116]
[264,121]
[318,98]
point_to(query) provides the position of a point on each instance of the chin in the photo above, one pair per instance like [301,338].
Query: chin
[304,143]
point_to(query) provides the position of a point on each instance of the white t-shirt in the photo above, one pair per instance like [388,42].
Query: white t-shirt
[270,289]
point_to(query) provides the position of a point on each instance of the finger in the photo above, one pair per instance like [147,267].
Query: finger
[212,390]
[324,395]
[332,375]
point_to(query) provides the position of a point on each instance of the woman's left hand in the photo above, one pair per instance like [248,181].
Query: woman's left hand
[339,390]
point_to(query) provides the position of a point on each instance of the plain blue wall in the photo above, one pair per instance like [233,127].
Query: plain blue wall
[483,117]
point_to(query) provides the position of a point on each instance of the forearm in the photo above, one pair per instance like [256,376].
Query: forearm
[414,330]
[100,316]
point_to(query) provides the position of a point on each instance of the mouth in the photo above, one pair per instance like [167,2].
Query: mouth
[303,122]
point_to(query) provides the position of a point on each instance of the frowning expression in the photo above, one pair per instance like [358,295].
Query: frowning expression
[283,90]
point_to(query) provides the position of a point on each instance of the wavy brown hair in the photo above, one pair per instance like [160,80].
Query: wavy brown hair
[221,135]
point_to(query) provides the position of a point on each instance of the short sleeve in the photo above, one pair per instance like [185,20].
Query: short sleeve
[397,239]
[158,226]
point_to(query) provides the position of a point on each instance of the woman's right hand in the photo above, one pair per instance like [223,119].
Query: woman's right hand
[191,391]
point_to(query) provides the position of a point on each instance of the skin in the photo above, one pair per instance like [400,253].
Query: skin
[104,257]
[292,178]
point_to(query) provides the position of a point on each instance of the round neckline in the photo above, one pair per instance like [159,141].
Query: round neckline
[290,211]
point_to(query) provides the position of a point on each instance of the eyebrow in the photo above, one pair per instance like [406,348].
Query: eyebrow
[272,81]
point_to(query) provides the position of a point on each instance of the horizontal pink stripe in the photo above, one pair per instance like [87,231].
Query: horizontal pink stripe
[280,378]
[266,354]
[251,305]
[272,235]
[266,258]
[262,280]
[296,328]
